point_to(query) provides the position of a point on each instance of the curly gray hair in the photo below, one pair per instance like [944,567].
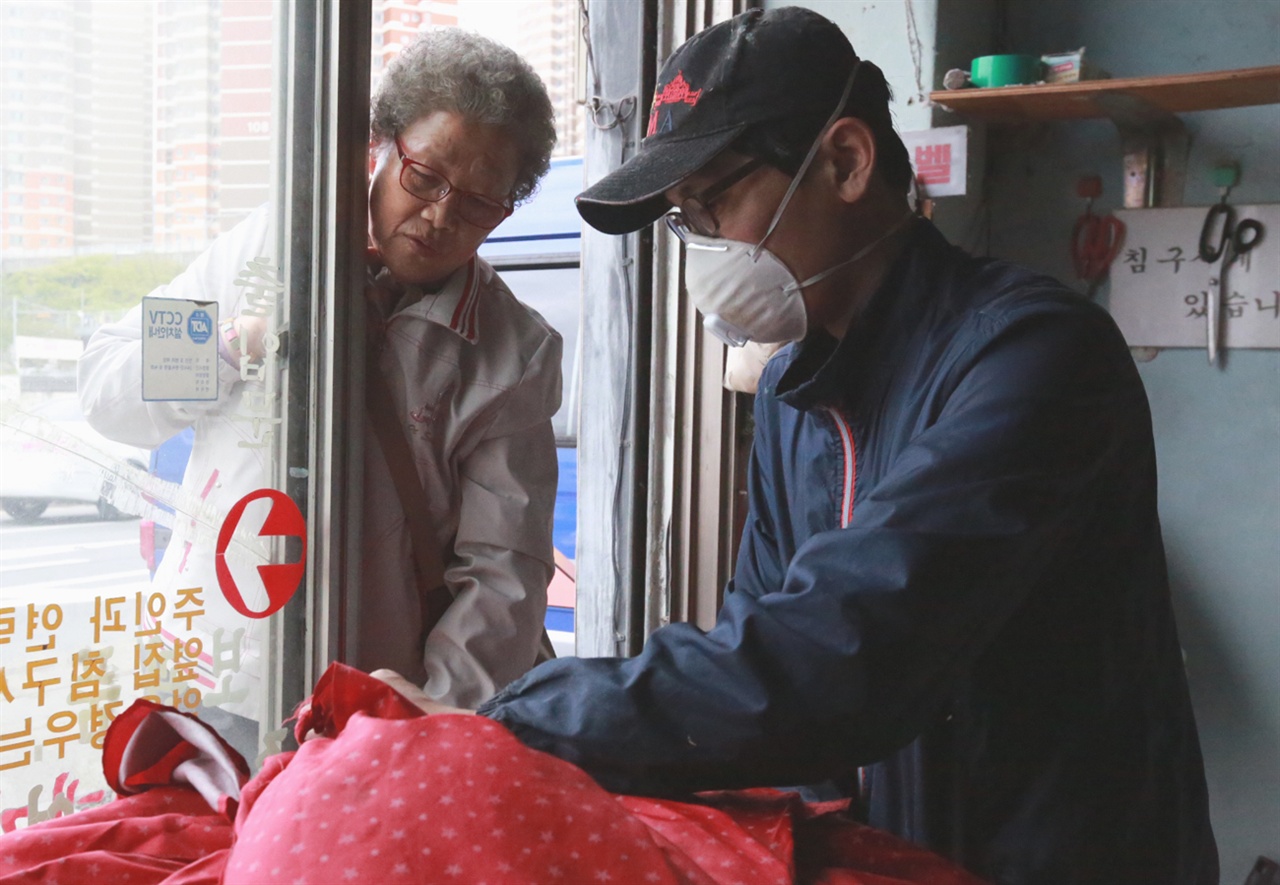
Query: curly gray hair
[482,80]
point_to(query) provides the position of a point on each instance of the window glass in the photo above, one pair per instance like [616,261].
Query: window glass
[555,294]
[133,429]
[538,253]
[136,482]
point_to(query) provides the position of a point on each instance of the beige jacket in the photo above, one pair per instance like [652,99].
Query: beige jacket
[478,376]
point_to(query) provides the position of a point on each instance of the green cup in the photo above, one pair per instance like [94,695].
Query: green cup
[1005,70]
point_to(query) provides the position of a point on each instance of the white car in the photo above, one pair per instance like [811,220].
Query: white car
[52,456]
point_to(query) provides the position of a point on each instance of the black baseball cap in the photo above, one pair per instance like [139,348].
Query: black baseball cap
[755,67]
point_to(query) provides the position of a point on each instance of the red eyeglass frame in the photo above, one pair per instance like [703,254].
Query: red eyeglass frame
[407,162]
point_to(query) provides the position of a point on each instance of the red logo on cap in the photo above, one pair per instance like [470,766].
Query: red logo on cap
[675,92]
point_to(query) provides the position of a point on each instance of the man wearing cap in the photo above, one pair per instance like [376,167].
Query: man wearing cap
[951,598]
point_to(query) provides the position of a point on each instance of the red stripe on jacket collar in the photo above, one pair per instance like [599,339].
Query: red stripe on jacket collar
[464,315]
[464,320]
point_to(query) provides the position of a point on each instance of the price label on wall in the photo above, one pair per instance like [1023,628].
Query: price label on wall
[179,349]
[940,159]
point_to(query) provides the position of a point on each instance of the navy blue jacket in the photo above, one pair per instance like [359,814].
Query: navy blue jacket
[951,574]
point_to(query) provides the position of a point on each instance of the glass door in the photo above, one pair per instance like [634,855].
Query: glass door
[151,531]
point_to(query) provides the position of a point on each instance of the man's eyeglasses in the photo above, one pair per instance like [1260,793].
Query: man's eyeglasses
[425,183]
[695,212]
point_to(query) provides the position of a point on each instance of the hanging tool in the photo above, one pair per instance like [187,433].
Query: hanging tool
[1231,241]
[1095,239]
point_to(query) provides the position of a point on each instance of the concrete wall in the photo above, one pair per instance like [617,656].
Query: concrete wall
[1217,430]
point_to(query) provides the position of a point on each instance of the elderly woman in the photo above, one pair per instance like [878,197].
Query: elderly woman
[460,469]
[462,131]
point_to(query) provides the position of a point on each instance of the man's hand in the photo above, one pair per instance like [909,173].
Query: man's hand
[414,694]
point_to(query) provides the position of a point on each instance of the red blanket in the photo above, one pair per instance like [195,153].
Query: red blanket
[387,795]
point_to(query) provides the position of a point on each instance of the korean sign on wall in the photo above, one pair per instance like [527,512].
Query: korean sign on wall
[1160,287]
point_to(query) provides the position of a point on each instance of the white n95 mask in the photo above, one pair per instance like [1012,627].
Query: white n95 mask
[744,294]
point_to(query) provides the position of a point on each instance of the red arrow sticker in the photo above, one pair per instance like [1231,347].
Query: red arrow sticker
[280,579]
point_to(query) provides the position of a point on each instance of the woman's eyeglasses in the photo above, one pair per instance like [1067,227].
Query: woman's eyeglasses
[425,183]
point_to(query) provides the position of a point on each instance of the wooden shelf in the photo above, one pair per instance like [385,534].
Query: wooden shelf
[1176,94]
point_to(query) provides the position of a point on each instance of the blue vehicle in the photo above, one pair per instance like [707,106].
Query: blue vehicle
[538,251]
[168,462]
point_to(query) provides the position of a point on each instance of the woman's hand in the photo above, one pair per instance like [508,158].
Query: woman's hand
[414,694]
[251,330]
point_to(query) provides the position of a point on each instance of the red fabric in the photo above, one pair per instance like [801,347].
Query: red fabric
[387,795]
[837,851]
[165,750]
[146,838]
[341,693]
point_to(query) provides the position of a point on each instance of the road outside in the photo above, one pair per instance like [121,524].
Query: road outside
[70,555]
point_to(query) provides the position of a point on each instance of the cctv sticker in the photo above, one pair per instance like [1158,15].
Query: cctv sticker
[179,350]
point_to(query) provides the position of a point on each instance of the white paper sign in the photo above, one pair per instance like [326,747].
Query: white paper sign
[940,158]
[179,349]
[1160,288]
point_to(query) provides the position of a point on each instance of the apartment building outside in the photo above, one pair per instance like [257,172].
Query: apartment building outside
[213,88]
[545,32]
[145,125]
[549,37]
[112,126]
[245,91]
[397,22]
[37,107]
